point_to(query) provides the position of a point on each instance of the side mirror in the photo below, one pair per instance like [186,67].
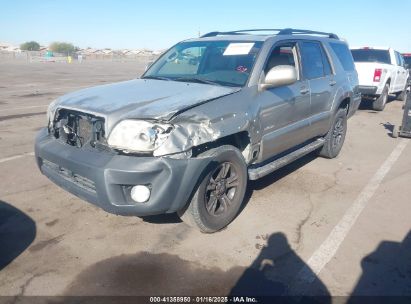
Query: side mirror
[280,75]
[148,65]
[407,66]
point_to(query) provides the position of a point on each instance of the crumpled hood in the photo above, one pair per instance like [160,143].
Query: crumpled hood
[141,99]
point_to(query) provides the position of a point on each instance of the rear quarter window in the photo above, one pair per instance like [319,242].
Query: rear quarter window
[344,56]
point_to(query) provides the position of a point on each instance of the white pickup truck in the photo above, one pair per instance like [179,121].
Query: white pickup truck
[381,71]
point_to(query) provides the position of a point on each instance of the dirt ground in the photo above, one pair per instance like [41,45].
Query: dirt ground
[52,243]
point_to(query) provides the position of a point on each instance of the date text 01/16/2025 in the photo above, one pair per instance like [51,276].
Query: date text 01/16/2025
[203,299]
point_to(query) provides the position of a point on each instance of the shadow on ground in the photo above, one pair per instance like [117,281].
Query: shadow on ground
[165,274]
[277,175]
[168,218]
[366,104]
[252,185]
[385,272]
[17,232]
[389,127]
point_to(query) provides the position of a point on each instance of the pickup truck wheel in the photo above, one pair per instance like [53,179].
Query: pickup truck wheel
[220,194]
[334,139]
[403,95]
[380,102]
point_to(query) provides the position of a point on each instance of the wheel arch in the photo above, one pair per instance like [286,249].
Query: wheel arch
[240,140]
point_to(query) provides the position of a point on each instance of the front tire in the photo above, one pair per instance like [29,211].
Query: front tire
[381,101]
[220,194]
[335,137]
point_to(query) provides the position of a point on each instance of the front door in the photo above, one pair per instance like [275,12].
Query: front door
[284,111]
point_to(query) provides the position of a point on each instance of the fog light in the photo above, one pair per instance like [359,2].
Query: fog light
[140,193]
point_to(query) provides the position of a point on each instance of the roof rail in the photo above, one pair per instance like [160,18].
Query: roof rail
[290,31]
[286,31]
[239,32]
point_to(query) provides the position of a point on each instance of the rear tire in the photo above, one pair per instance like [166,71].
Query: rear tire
[335,137]
[381,101]
[220,194]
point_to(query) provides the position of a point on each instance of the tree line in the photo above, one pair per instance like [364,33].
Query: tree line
[58,47]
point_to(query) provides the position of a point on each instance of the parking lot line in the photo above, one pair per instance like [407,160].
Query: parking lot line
[23,108]
[6,159]
[329,247]
[38,90]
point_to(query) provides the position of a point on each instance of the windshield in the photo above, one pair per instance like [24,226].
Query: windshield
[369,55]
[227,63]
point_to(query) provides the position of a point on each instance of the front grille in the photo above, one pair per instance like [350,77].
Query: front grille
[78,129]
[78,180]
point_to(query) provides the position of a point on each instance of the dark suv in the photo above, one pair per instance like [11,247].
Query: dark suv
[207,116]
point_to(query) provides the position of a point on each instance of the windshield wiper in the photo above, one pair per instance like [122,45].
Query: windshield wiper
[156,78]
[198,80]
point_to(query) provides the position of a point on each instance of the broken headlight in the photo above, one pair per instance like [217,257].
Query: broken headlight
[51,112]
[138,135]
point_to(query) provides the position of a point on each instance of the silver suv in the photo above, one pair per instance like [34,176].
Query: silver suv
[209,115]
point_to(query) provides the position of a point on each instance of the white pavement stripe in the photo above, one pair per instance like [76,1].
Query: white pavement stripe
[23,108]
[40,90]
[3,160]
[329,247]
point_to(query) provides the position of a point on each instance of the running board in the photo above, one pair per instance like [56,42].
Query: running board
[256,173]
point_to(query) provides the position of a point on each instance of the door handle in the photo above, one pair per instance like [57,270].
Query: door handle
[333,83]
[304,91]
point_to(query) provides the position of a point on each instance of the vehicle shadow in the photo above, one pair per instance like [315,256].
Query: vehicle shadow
[366,104]
[260,184]
[145,273]
[276,176]
[386,273]
[17,232]
[389,127]
[167,218]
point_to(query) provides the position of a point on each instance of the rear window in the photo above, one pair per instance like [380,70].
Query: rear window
[368,55]
[344,55]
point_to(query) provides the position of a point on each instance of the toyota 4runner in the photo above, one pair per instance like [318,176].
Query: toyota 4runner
[209,115]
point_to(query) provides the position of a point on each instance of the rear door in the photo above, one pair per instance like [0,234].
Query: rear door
[317,70]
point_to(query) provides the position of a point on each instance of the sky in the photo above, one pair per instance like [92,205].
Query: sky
[158,24]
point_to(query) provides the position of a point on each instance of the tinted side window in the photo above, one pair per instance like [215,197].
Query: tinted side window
[400,61]
[397,58]
[407,60]
[344,56]
[326,63]
[312,60]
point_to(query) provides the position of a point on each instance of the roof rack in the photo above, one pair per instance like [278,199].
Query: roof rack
[286,31]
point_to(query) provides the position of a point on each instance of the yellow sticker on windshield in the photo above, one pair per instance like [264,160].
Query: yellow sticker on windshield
[238,49]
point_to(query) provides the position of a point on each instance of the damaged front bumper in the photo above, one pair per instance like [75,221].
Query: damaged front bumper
[105,179]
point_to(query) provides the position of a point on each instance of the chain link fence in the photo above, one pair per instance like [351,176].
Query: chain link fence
[40,56]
